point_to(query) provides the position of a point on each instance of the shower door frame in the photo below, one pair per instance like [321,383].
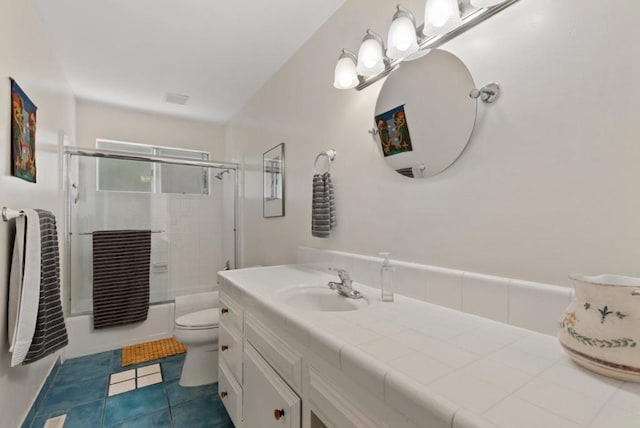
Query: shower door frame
[111,154]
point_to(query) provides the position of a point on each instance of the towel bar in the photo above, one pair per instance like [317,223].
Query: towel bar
[10,214]
[91,233]
[330,154]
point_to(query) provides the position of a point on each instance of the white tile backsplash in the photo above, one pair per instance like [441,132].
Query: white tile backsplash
[365,270]
[411,281]
[486,296]
[530,305]
[444,288]
[529,300]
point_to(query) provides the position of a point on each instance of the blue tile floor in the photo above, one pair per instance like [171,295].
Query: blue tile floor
[78,388]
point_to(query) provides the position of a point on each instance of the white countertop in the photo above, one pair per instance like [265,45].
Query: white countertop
[434,356]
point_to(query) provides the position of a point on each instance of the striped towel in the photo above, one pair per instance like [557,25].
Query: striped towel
[50,333]
[323,207]
[121,265]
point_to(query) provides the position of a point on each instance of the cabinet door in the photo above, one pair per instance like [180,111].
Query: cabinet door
[268,400]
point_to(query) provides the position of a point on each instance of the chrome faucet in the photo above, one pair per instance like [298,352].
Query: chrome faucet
[344,287]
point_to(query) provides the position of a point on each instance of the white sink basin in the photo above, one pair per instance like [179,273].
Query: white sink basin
[319,298]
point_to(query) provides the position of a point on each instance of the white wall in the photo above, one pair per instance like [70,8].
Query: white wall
[114,123]
[27,57]
[547,186]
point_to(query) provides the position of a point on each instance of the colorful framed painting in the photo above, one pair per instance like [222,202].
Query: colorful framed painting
[394,131]
[23,134]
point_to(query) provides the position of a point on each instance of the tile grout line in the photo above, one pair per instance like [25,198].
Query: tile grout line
[104,407]
[44,397]
[166,391]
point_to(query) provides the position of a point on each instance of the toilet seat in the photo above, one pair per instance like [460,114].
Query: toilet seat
[199,320]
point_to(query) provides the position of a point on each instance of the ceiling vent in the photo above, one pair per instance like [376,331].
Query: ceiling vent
[176,98]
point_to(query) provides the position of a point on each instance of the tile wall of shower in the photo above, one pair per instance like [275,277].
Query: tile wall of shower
[186,250]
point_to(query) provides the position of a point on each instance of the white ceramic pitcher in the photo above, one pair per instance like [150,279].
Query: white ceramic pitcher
[601,327]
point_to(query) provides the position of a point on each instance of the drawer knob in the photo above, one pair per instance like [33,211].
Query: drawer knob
[223,394]
[224,310]
[224,348]
[278,413]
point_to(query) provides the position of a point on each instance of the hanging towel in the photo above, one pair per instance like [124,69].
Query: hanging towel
[24,286]
[323,209]
[121,265]
[50,333]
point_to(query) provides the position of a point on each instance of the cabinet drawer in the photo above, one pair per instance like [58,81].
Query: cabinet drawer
[231,394]
[333,407]
[268,400]
[230,351]
[284,359]
[230,313]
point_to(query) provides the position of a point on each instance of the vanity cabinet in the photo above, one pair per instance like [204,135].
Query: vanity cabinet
[270,377]
[230,357]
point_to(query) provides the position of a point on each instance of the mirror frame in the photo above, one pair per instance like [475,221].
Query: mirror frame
[273,206]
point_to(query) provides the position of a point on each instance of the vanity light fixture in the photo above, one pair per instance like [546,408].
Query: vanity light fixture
[444,20]
[371,57]
[402,40]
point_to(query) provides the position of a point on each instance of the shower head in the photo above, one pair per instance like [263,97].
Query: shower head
[220,174]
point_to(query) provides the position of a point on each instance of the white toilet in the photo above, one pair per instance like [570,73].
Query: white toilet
[196,325]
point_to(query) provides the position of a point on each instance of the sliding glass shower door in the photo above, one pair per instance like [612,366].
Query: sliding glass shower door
[189,209]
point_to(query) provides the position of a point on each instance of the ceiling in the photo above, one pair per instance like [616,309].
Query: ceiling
[131,53]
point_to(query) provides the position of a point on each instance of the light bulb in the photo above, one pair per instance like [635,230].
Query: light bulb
[441,16]
[345,76]
[370,55]
[402,40]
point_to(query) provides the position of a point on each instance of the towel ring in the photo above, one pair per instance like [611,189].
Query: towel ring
[330,155]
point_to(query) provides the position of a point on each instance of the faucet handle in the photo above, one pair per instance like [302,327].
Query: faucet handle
[342,273]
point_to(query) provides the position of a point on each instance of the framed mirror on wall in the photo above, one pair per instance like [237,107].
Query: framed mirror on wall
[273,182]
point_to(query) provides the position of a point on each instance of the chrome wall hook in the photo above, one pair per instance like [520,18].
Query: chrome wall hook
[489,93]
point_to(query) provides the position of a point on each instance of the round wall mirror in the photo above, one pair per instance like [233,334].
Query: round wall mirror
[424,114]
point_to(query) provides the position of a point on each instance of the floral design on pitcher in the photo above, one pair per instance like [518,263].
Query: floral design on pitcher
[605,312]
[570,319]
[623,342]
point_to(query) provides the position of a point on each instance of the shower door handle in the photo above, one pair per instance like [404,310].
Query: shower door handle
[76,197]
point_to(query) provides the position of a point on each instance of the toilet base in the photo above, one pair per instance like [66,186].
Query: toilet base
[200,366]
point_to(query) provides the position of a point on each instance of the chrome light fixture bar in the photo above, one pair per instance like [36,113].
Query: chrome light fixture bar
[425,43]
